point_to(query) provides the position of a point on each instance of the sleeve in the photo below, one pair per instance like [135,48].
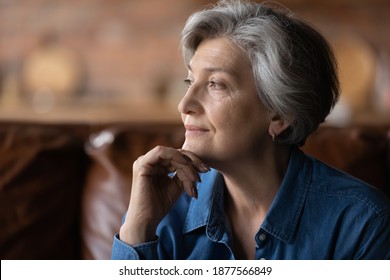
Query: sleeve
[144,251]
[376,240]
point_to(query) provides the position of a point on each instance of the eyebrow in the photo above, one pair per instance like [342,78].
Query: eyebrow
[218,69]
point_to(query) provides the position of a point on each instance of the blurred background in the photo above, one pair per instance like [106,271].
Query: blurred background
[119,60]
[87,86]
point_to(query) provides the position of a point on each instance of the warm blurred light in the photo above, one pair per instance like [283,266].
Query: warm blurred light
[114,54]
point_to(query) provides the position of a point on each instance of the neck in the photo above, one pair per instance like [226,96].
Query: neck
[253,182]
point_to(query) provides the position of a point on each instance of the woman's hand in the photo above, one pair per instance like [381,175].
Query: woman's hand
[159,178]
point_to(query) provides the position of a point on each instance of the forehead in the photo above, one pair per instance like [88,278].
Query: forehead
[219,54]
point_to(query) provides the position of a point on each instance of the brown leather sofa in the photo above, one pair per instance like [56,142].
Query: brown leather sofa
[65,187]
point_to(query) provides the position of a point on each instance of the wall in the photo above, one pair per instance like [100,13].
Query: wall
[127,52]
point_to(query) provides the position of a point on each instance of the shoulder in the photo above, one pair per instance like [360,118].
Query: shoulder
[354,212]
[346,190]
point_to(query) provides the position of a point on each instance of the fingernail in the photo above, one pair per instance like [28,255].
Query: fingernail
[195,192]
[204,167]
[198,177]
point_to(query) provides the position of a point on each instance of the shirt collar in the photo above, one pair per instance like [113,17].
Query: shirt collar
[282,218]
[208,208]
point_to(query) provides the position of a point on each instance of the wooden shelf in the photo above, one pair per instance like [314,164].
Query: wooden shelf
[149,112]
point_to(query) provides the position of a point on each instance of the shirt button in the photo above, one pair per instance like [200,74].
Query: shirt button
[262,237]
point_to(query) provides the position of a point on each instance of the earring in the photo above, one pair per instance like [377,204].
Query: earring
[273,137]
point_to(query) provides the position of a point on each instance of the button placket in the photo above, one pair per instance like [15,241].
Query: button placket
[262,237]
[261,248]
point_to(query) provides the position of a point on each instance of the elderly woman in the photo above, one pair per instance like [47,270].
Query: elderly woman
[259,82]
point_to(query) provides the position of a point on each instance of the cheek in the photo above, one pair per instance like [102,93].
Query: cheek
[245,124]
[241,112]
[225,122]
[234,118]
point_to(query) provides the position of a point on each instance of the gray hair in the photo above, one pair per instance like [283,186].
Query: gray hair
[293,65]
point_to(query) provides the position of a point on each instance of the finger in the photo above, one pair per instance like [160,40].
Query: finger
[186,174]
[187,170]
[173,160]
[159,161]
[188,186]
[142,167]
[164,155]
[195,160]
[164,160]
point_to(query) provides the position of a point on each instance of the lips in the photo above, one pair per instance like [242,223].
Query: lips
[195,128]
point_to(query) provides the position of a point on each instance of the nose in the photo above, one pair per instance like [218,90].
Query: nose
[190,104]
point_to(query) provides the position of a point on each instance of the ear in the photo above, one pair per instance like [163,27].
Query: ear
[277,125]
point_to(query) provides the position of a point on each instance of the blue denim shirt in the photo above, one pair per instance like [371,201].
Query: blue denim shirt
[318,213]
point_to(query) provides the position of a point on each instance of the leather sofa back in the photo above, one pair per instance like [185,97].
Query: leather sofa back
[64,188]
[363,152]
[42,170]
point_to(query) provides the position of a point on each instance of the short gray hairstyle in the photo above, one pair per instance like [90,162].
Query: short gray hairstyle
[293,65]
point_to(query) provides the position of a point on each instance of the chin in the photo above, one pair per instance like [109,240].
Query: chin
[196,148]
[199,150]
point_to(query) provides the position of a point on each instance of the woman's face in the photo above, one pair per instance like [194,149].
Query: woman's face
[222,113]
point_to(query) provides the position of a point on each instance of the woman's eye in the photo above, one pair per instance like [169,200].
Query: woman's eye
[216,85]
[188,82]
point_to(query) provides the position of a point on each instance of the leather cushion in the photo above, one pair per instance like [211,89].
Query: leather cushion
[361,151]
[42,171]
